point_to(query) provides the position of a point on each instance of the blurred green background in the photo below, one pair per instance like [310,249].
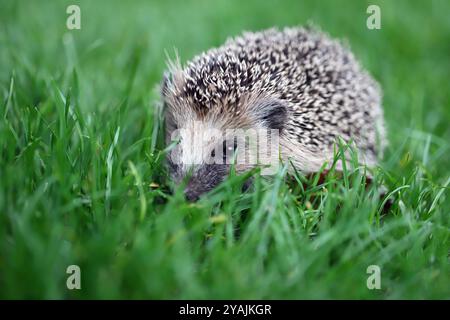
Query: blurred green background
[70,194]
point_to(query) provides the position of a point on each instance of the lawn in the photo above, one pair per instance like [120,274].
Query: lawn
[83,182]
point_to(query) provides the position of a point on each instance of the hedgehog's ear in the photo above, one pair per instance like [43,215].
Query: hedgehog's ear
[272,113]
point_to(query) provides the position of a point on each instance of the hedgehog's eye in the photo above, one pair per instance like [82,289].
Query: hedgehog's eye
[229,148]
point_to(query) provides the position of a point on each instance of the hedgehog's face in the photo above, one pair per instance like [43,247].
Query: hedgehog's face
[201,155]
[207,142]
[204,150]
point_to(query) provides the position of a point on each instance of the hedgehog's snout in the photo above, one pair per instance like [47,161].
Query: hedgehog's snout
[191,194]
[204,179]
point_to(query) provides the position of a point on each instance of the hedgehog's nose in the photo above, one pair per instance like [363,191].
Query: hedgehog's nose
[191,195]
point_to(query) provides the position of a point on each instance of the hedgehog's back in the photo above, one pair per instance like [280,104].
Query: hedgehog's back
[324,88]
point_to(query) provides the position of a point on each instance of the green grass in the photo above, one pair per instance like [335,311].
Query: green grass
[82,179]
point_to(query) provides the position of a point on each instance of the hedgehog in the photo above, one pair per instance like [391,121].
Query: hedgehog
[297,82]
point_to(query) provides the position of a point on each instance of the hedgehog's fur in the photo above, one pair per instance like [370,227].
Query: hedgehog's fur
[297,80]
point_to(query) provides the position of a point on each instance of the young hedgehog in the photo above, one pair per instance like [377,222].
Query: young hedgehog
[298,81]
